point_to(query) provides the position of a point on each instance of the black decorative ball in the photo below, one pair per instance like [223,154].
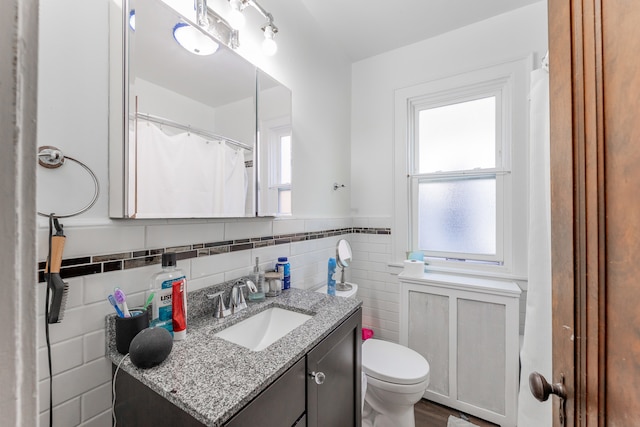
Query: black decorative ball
[150,347]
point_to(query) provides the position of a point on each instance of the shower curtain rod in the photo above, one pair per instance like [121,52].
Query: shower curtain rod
[197,131]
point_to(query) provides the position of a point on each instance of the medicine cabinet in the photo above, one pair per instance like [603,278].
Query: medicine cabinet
[183,125]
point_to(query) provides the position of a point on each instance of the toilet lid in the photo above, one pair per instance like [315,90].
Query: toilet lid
[393,363]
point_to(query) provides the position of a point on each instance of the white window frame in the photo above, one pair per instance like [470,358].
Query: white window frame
[269,182]
[275,156]
[509,83]
[498,89]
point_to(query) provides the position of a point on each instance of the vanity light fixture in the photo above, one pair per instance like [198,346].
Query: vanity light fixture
[269,45]
[213,24]
[237,21]
[193,40]
[236,17]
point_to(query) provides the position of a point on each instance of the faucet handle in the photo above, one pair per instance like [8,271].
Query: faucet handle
[220,309]
[237,302]
[241,304]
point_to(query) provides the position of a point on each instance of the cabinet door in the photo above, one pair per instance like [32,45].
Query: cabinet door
[429,335]
[337,401]
[137,405]
[470,339]
[280,405]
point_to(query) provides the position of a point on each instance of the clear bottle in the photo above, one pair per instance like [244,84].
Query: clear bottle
[257,277]
[331,279]
[162,287]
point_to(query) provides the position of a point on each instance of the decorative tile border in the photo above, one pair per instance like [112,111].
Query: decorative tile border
[87,265]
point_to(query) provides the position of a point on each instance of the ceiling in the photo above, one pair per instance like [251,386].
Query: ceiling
[365,28]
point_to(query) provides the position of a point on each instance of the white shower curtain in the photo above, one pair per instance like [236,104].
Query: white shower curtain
[184,175]
[536,347]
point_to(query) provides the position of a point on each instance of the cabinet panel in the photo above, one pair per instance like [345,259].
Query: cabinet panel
[138,405]
[280,405]
[467,329]
[429,336]
[481,354]
[337,401]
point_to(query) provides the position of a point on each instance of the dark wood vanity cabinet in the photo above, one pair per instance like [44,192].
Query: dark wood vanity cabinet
[337,401]
[281,404]
[294,399]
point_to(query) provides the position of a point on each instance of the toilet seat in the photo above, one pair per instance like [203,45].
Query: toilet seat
[399,389]
[392,363]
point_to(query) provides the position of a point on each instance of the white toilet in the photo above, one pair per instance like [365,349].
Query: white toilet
[396,379]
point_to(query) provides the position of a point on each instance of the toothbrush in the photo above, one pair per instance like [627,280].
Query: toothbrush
[149,299]
[112,300]
[122,299]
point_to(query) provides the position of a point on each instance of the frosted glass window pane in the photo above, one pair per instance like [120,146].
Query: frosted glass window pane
[457,136]
[458,215]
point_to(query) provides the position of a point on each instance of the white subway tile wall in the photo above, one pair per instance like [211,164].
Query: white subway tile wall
[377,287]
[82,374]
[180,234]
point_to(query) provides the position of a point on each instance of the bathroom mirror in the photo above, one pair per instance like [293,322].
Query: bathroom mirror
[183,136]
[274,147]
[343,259]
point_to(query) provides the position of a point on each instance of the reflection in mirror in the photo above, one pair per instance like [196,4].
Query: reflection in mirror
[274,142]
[343,259]
[189,148]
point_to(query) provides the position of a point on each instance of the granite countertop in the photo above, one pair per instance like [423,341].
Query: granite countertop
[212,379]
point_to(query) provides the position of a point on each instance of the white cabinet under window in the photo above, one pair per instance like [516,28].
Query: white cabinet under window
[468,330]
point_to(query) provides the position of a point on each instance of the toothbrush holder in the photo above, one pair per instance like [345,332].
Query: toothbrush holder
[128,327]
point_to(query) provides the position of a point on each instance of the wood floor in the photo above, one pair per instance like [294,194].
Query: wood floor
[430,414]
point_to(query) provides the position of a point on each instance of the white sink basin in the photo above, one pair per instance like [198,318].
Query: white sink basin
[263,329]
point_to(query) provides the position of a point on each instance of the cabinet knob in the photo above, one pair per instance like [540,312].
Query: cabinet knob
[318,377]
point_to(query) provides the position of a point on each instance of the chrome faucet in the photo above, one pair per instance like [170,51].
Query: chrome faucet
[221,310]
[237,302]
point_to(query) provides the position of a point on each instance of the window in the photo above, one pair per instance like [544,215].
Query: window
[456,151]
[280,167]
[283,169]
[460,151]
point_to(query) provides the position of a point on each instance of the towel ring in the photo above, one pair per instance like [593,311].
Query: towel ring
[52,158]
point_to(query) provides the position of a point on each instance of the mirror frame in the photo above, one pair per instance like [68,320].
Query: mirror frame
[343,243]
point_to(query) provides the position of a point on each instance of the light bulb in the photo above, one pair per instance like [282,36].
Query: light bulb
[236,17]
[132,19]
[269,45]
[193,40]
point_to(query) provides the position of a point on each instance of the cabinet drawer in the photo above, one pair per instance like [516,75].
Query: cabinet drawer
[281,404]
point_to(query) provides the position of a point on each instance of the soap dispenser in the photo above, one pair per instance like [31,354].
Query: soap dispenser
[257,277]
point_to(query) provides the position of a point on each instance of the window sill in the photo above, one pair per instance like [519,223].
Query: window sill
[397,267]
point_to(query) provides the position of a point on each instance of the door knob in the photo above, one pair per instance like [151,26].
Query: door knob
[541,389]
[318,377]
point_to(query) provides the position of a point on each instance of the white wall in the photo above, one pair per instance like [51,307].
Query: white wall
[374,80]
[509,36]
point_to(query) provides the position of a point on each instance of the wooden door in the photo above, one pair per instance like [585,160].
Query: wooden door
[595,211]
